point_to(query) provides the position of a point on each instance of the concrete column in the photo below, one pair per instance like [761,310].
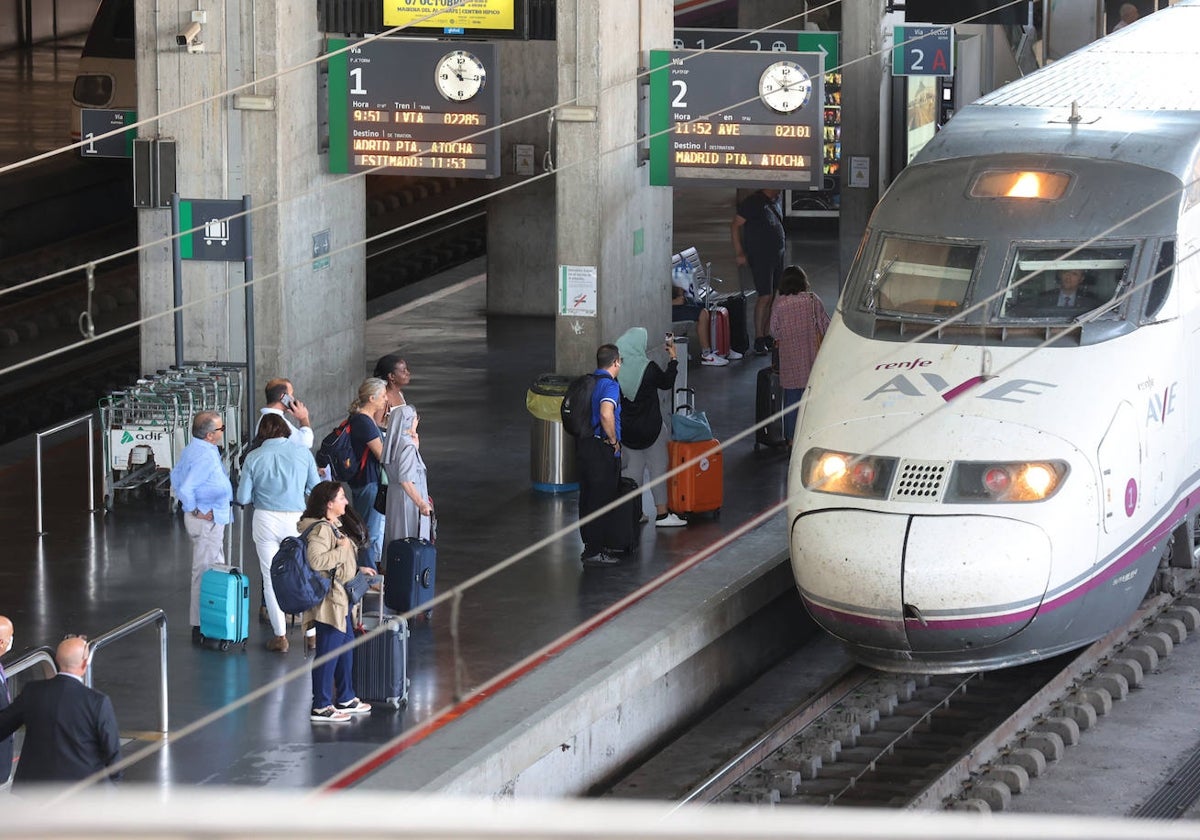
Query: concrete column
[608,216]
[309,321]
[521,223]
[864,99]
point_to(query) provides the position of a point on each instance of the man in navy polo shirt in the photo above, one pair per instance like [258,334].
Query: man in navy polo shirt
[599,460]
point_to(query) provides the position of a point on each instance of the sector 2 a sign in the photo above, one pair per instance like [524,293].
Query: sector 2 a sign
[730,118]
[923,51]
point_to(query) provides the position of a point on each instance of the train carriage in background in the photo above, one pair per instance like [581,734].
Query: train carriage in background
[982,476]
[106,78]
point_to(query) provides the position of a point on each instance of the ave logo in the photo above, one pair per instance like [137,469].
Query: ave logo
[927,384]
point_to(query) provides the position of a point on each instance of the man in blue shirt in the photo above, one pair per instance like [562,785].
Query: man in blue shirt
[202,486]
[598,457]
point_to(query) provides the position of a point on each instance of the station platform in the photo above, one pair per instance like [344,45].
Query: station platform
[90,572]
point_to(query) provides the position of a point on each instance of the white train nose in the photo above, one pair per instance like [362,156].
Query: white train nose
[920,583]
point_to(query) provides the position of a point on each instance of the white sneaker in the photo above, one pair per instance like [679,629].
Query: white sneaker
[733,355]
[669,521]
[712,359]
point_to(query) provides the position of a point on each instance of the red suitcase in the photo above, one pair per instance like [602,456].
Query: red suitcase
[700,487]
[719,328]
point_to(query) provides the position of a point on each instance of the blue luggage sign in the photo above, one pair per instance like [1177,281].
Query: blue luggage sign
[925,50]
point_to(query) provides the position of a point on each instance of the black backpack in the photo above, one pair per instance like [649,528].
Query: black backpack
[337,452]
[576,411]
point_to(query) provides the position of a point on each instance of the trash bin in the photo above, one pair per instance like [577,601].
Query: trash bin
[551,449]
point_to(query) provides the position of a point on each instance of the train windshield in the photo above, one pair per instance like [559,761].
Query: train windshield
[1061,284]
[921,278]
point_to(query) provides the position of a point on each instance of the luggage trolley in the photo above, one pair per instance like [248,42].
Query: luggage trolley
[141,440]
[147,427]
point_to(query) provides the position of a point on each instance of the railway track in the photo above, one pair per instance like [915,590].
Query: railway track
[963,742]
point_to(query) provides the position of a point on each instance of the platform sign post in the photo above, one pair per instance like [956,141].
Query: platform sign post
[731,118]
[222,234]
[95,122]
[925,50]
[410,107]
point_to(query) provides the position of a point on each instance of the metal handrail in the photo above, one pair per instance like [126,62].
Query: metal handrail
[91,460]
[156,616]
[31,658]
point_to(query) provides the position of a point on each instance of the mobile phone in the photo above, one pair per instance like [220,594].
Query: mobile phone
[286,400]
[670,338]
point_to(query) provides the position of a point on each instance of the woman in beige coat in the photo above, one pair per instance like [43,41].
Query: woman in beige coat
[329,550]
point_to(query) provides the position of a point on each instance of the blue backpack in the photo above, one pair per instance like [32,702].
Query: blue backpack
[298,586]
[337,453]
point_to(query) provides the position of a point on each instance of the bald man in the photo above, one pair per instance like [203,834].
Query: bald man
[6,746]
[70,729]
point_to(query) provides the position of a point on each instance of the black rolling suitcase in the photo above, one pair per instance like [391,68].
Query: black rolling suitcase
[381,662]
[625,521]
[768,400]
[739,334]
[411,571]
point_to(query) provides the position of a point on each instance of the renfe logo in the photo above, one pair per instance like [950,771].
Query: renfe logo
[915,363]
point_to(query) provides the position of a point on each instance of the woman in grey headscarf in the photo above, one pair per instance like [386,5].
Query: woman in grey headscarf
[408,490]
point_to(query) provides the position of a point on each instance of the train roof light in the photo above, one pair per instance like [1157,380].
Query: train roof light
[1046,186]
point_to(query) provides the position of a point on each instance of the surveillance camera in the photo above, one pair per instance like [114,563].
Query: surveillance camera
[190,35]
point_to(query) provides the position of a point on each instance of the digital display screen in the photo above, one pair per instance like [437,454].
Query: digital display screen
[388,114]
[718,119]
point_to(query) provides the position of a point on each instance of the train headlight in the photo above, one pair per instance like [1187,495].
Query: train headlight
[847,473]
[1005,481]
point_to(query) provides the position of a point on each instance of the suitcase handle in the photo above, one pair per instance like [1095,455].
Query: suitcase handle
[689,402]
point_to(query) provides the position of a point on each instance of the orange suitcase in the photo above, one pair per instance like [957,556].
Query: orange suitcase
[700,488]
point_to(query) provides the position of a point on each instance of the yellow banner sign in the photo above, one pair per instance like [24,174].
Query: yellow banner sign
[450,14]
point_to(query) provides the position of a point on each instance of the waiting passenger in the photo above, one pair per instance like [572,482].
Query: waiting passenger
[281,401]
[408,486]
[394,371]
[70,729]
[685,309]
[643,432]
[798,322]
[329,550]
[201,484]
[275,478]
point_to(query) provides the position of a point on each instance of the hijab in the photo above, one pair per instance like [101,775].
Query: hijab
[632,345]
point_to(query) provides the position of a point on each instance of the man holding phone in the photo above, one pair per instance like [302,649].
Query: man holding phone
[282,400]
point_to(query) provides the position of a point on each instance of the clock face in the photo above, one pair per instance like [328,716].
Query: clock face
[784,87]
[459,75]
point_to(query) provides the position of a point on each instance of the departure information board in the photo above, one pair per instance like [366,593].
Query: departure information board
[402,106]
[728,118]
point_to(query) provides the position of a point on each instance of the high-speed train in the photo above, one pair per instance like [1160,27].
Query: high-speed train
[1000,442]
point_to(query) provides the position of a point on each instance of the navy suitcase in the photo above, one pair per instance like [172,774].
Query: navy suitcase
[224,608]
[768,400]
[411,572]
[381,662]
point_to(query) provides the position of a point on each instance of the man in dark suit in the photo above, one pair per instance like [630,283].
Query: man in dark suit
[70,729]
[1069,294]
[6,745]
